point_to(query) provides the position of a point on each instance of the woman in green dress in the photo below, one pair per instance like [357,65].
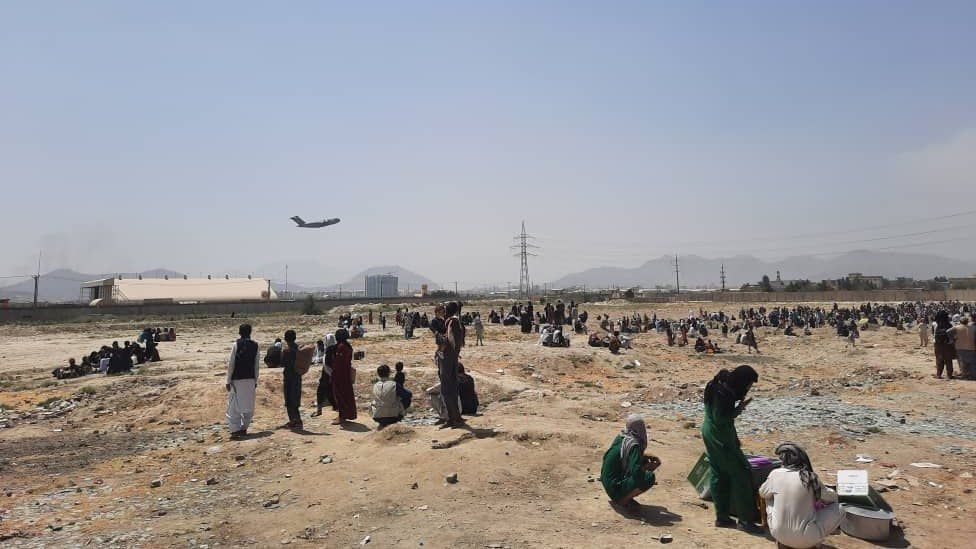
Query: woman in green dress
[627,472]
[731,476]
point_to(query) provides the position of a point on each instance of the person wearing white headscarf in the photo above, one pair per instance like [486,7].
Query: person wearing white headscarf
[800,510]
[627,472]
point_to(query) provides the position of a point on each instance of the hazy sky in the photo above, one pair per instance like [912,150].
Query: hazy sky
[183,135]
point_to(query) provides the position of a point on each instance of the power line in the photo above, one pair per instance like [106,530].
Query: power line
[784,238]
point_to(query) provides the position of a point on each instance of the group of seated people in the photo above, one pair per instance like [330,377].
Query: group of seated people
[112,359]
[162,334]
[391,399]
[613,341]
[354,324]
[702,346]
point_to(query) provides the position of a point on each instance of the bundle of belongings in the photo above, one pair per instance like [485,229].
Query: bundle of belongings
[552,336]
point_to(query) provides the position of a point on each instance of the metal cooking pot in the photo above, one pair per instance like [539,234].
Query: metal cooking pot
[864,523]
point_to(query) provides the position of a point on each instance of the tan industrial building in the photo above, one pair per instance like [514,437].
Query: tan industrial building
[139,291]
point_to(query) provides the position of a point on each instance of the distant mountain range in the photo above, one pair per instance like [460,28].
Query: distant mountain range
[64,285]
[696,271]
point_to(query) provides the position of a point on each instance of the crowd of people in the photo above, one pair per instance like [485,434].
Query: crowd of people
[800,510]
[116,359]
[452,398]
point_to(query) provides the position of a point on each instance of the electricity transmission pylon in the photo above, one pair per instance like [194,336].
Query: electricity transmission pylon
[522,245]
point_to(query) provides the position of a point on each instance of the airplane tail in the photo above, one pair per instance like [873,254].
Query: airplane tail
[298,220]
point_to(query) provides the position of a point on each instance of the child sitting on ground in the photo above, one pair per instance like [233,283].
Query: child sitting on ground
[400,379]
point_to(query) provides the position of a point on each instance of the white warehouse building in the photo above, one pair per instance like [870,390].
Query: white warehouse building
[139,291]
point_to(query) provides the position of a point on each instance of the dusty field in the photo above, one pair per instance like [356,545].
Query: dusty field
[78,471]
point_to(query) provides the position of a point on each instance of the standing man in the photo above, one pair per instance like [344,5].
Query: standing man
[241,382]
[383,320]
[407,326]
[945,349]
[479,329]
[292,382]
[450,341]
[923,332]
[965,347]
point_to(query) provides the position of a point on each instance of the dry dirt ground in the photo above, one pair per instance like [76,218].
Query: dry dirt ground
[78,471]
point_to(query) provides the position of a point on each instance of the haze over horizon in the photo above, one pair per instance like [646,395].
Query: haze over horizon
[184,135]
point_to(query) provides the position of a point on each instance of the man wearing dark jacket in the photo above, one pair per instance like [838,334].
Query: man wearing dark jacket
[242,382]
[292,382]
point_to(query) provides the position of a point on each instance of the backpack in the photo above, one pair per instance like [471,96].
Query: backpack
[303,360]
[945,336]
[272,359]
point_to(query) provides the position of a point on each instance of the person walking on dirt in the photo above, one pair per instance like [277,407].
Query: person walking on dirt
[749,338]
[242,382]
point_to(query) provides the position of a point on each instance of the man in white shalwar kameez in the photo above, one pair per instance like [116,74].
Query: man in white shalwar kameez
[242,382]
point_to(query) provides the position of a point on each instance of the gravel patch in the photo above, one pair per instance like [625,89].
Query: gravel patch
[776,414]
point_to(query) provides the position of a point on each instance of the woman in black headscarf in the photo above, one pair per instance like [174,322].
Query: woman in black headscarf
[731,476]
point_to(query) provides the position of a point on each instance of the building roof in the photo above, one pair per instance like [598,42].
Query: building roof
[132,290]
